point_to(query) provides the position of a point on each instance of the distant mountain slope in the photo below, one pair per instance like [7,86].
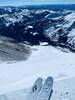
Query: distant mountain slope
[39,25]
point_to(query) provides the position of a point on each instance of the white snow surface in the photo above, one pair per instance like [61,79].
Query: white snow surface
[44,61]
[64,89]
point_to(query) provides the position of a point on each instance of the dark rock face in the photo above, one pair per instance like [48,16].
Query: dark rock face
[35,26]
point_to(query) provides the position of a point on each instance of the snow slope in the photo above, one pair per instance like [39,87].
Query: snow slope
[44,61]
[64,89]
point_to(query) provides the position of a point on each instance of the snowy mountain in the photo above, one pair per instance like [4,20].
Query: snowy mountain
[38,25]
[42,38]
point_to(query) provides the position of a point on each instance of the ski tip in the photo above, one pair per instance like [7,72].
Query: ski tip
[37,85]
[39,79]
[50,79]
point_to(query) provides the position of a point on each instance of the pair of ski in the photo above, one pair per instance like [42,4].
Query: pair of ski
[41,91]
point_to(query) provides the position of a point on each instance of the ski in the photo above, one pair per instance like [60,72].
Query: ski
[46,91]
[35,89]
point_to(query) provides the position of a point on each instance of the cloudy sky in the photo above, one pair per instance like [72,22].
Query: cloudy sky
[28,2]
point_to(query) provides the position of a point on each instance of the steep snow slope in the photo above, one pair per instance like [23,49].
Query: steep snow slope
[44,61]
[11,51]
